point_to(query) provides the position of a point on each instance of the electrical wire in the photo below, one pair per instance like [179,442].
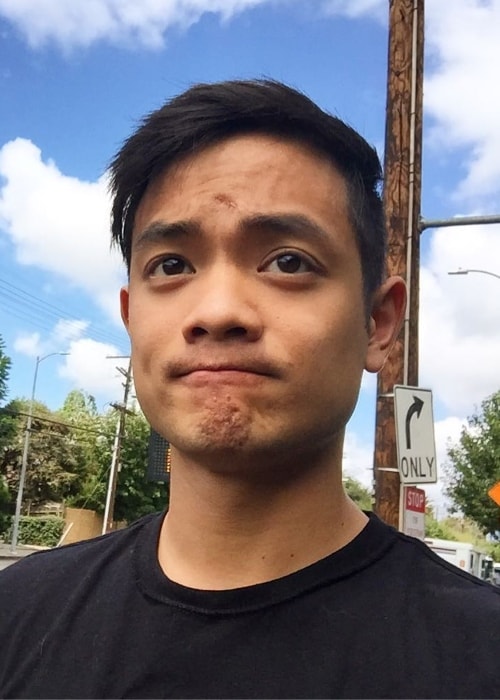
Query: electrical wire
[27,307]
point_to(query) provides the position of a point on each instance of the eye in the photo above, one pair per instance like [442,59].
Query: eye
[290,263]
[170,265]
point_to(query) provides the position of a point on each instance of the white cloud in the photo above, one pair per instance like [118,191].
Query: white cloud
[358,460]
[56,342]
[59,223]
[89,367]
[446,432]
[68,330]
[461,92]
[357,8]
[460,317]
[80,23]
[28,344]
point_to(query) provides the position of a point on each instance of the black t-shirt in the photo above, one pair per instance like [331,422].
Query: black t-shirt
[381,618]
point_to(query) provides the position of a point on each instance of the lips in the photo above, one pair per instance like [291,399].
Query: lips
[257,367]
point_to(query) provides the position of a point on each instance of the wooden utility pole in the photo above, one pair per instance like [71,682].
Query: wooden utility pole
[115,460]
[402,174]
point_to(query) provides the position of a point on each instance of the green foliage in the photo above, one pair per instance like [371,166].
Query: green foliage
[8,424]
[5,365]
[6,420]
[44,531]
[70,455]
[5,507]
[52,469]
[493,549]
[474,466]
[359,494]
[135,496]
[440,530]
[78,407]
[90,442]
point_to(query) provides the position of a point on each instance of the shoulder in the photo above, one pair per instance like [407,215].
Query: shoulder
[40,572]
[444,583]
[410,562]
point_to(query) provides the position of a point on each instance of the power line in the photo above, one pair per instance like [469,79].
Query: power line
[51,420]
[41,318]
[28,307]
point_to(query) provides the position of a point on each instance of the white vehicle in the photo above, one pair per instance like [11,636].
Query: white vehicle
[495,579]
[468,557]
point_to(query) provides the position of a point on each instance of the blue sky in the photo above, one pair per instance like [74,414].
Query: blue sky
[76,77]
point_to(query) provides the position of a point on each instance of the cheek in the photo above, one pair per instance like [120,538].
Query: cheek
[146,337]
[337,356]
[147,317]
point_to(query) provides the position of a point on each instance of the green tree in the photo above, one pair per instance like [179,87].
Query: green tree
[78,407]
[5,365]
[92,444]
[51,473]
[474,467]
[437,529]
[434,527]
[7,426]
[359,494]
[5,507]
[135,496]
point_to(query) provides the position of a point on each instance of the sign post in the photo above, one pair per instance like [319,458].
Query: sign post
[415,442]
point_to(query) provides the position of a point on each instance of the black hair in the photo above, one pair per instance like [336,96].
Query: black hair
[211,112]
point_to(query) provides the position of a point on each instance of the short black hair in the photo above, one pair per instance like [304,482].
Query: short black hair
[208,113]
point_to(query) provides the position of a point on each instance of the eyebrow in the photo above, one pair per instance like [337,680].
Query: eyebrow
[274,224]
[161,231]
[291,224]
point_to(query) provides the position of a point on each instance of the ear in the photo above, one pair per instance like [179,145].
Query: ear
[124,302]
[386,318]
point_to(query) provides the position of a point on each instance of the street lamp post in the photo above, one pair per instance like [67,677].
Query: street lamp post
[22,476]
[466,272]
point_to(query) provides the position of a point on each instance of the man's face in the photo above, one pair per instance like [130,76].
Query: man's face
[245,307]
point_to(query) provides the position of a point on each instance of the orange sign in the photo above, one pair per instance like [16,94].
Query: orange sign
[494,493]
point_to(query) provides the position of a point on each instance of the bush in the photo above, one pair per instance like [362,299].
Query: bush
[44,531]
[5,508]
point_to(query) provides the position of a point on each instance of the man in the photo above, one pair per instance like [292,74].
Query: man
[252,228]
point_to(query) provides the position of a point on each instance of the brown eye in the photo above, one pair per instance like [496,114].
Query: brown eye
[171,265]
[289,263]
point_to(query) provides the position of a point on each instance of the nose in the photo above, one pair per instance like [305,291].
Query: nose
[223,309]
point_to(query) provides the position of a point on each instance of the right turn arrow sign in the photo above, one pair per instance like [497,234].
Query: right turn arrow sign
[415,435]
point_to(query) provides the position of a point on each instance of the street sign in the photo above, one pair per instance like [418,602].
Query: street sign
[494,493]
[415,435]
[414,512]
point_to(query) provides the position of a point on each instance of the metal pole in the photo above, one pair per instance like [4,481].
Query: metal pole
[24,464]
[459,221]
[466,272]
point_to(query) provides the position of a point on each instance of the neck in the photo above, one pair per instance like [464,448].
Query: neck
[226,531]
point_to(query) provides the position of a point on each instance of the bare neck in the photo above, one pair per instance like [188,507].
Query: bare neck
[225,532]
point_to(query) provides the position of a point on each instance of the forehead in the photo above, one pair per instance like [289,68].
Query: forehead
[246,173]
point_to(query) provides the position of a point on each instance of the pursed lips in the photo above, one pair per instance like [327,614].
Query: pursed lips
[221,369]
